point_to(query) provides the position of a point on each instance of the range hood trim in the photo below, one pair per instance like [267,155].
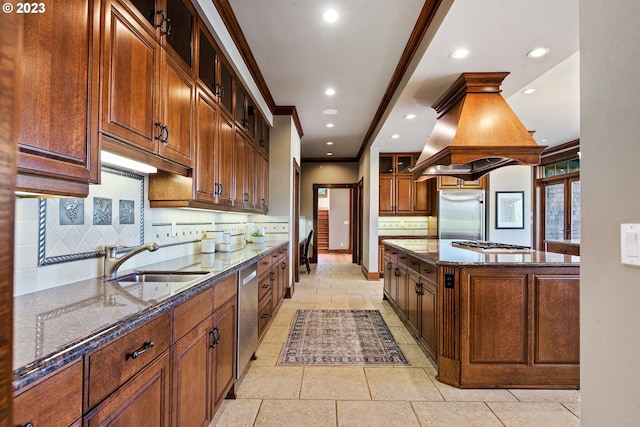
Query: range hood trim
[459,146]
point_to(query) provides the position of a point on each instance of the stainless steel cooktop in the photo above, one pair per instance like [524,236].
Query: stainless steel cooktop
[486,246]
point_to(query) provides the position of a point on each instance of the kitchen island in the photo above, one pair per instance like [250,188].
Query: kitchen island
[506,319]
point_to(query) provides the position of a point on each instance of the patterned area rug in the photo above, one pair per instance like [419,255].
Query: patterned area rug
[341,337]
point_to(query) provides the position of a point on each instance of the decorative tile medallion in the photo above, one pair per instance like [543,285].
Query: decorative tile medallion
[127,212]
[71,211]
[102,211]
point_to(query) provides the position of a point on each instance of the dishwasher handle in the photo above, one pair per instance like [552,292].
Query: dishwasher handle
[248,278]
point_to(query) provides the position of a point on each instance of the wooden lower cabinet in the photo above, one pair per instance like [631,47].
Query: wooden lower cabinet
[192,377]
[224,351]
[54,402]
[428,307]
[141,401]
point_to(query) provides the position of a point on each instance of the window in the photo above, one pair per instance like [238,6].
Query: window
[559,186]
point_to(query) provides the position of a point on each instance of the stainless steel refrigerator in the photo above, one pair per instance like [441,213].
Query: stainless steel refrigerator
[461,214]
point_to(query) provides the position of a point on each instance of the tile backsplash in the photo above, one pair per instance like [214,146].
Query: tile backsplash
[407,226]
[177,231]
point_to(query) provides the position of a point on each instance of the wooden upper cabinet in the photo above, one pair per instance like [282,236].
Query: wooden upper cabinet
[240,113]
[179,29]
[130,84]
[207,62]
[147,97]
[177,114]
[225,166]
[57,142]
[453,183]
[225,92]
[170,22]
[207,124]
[398,193]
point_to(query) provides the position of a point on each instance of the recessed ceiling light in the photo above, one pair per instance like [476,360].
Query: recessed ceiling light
[330,92]
[329,154]
[395,136]
[460,53]
[410,116]
[538,52]
[543,140]
[528,91]
[330,125]
[330,16]
[329,112]
[329,143]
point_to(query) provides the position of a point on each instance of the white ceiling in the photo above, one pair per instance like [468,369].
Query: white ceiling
[300,56]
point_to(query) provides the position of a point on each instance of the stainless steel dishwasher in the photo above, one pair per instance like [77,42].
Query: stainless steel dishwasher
[247,317]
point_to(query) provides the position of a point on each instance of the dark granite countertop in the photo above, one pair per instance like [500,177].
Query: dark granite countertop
[56,326]
[441,252]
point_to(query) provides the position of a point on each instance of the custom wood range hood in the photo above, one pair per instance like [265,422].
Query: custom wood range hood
[476,132]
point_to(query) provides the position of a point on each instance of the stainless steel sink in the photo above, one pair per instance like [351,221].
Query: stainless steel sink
[159,276]
[149,287]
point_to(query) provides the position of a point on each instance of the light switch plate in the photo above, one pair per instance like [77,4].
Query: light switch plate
[629,241]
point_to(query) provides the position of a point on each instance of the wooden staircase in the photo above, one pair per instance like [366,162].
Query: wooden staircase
[323,231]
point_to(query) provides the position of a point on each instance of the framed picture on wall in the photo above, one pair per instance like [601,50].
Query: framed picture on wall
[510,209]
[322,192]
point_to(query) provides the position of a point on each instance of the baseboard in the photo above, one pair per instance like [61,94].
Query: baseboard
[370,275]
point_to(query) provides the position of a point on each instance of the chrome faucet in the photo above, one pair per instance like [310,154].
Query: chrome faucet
[112,263]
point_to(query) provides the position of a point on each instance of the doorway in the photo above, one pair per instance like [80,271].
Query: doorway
[336,219]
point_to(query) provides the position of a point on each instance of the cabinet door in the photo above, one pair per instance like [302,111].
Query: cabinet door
[388,276]
[225,323]
[60,394]
[179,32]
[404,195]
[131,63]
[250,176]
[192,377]
[207,59]
[414,296]
[225,161]
[205,161]
[59,94]
[265,184]
[386,199]
[423,197]
[141,401]
[226,87]
[240,114]
[178,101]
[403,290]
[240,163]
[428,313]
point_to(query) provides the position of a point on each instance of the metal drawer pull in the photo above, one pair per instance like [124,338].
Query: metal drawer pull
[145,347]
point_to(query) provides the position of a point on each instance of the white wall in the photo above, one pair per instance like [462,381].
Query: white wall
[510,178]
[369,170]
[610,155]
[339,220]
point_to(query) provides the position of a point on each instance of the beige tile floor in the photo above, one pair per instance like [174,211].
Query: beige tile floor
[273,395]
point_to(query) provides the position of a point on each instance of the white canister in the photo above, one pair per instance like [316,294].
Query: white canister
[207,260]
[208,246]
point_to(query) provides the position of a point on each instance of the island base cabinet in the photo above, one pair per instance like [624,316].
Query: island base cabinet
[142,401]
[510,328]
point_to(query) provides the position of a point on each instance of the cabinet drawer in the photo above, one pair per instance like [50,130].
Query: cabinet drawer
[54,402]
[429,271]
[413,263]
[264,285]
[224,290]
[191,312]
[264,314]
[264,264]
[110,366]
[391,253]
